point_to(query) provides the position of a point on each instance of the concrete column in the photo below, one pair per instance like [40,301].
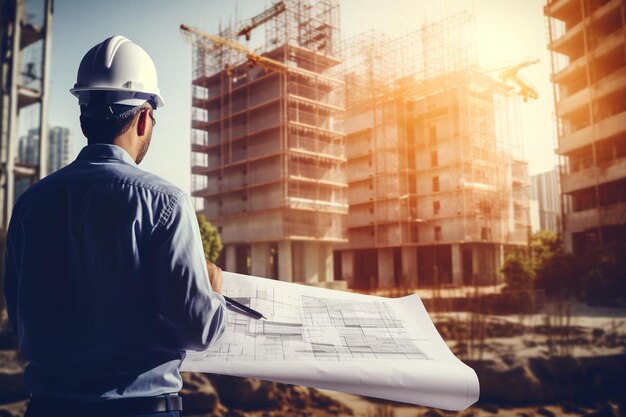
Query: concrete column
[385,268]
[285,262]
[409,266]
[311,257]
[476,269]
[325,262]
[568,242]
[231,258]
[499,263]
[457,264]
[312,261]
[347,267]
[297,251]
[260,259]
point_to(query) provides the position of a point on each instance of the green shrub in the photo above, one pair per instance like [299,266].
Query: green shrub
[518,274]
[211,241]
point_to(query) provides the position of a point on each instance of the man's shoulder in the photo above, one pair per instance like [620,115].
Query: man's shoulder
[153,182]
[124,174]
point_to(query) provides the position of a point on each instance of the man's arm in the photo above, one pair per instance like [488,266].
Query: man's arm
[184,294]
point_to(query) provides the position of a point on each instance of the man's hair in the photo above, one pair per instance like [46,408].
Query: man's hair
[103,123]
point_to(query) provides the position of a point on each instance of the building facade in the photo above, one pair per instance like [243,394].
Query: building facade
[28,148]
[544,188]
[26,37]
[587,40]
[437,183]
[268,151]
[59,148]
[434,197]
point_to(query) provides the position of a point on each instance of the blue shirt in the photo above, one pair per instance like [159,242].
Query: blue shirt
[105,280]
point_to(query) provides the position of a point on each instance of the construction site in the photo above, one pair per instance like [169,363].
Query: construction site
[268,150]
[371,162]
[437,183]
[586,40]
[25,39]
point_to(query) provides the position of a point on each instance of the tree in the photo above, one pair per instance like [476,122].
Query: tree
[518,274]
[556,271]
[559,275]
[211,241]
[520,282]
[544,244]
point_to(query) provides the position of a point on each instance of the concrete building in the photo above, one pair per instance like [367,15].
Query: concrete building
[544,188]
[587,40]
[59,148]
[535,223]
[268,153]
[27,160]
[25,36]
[436,193]
[28,148]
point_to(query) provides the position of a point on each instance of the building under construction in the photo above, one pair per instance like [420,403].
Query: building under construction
[437,187]
[268,152]
[25,39]
[587,40]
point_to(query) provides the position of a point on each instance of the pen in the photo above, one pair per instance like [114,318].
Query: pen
[244,309]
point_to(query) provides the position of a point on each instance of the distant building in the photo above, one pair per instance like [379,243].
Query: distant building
[437,193]
[535,223]
[544,188]
[28,148]
[434,198]
[59,148]
[27,161]
[588,48]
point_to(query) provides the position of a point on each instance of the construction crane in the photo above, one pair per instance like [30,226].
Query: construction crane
[198,37]
[261,18]
[510,74]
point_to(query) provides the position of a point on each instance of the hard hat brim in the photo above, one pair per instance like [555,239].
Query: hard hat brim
[119,96]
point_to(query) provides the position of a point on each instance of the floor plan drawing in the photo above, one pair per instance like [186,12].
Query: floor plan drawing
[301,327]
[317,337]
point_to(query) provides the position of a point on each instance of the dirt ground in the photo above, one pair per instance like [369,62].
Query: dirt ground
[508,342]
[585,332]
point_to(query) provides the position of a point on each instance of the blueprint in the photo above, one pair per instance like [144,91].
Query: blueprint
[307,328]
[382,347]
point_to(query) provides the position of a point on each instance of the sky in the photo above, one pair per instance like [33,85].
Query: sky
[508,31]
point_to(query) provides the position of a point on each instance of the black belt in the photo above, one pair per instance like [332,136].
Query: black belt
[114,407]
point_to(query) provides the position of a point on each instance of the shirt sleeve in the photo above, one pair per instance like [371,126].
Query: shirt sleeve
[184,294]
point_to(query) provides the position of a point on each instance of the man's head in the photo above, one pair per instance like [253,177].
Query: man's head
[126,126]
[117,92]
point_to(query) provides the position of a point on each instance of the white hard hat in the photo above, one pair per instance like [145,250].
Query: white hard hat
[120,69]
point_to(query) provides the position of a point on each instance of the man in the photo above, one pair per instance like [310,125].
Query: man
[105,278]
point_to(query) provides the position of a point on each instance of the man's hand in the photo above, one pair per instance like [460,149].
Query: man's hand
[215,276]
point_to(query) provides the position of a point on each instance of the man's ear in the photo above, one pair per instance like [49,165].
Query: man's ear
[142,122]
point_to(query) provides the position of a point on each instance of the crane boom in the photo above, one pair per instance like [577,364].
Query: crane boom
[511,74]
[194,35]
[261,18]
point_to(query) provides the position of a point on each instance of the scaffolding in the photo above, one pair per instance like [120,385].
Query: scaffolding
[268,152]
[25,36]
[25,39]
[434,154]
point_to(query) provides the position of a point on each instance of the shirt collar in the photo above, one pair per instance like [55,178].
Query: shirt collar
[105,151]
